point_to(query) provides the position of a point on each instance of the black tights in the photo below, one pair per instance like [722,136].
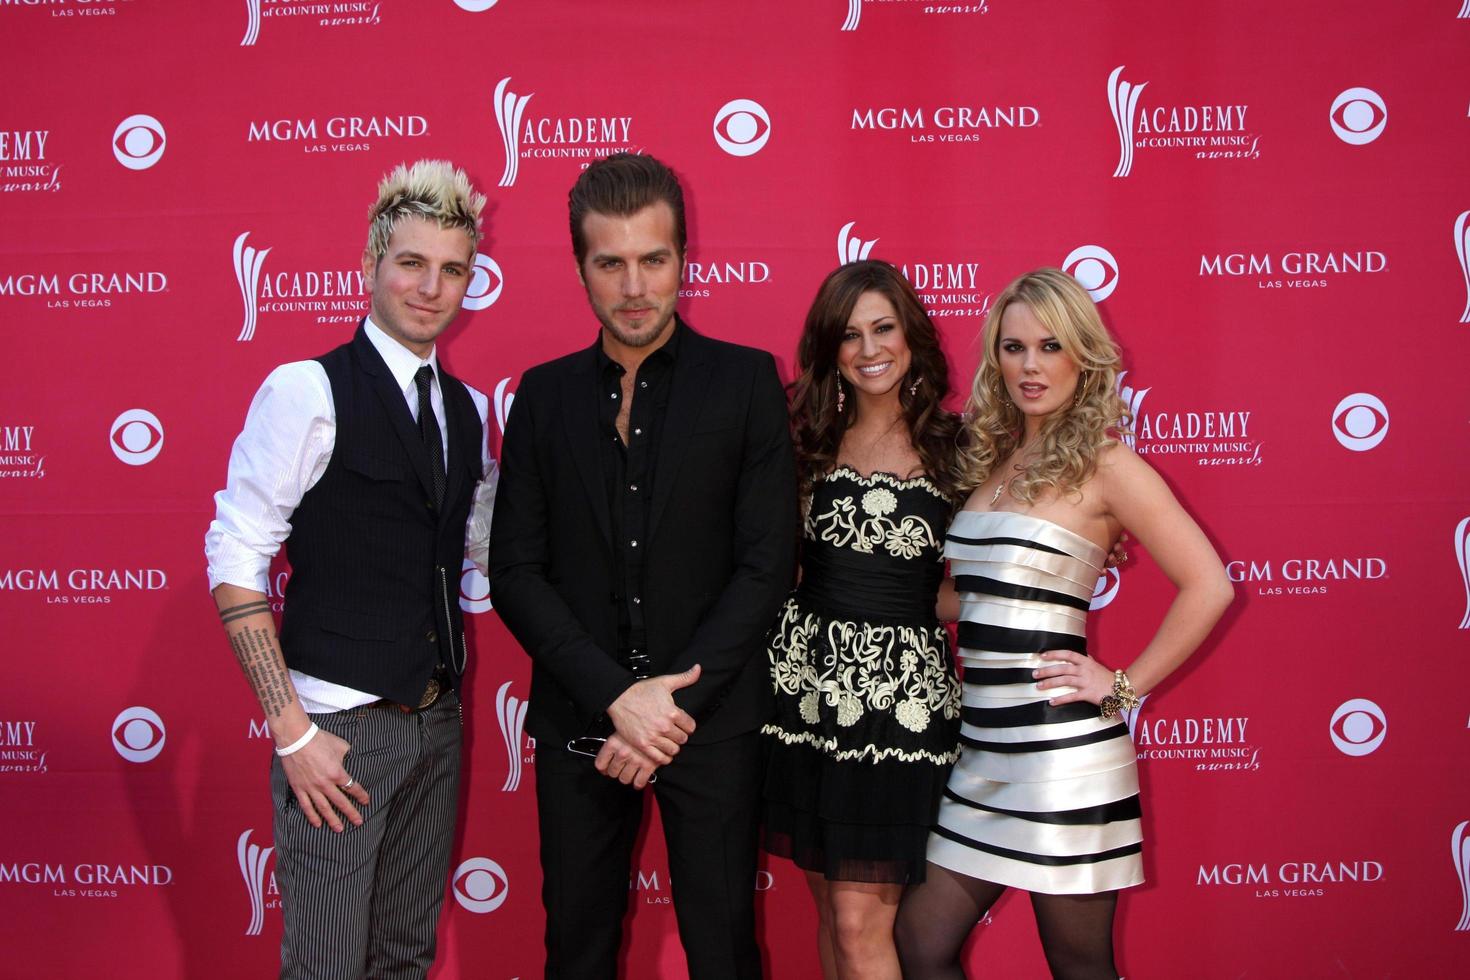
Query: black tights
[936,917]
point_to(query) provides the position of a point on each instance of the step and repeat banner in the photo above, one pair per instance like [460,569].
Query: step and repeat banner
[1269,201]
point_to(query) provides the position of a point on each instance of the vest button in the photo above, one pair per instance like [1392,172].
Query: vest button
[432,636]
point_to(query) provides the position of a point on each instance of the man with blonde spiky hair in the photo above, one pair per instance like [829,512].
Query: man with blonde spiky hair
[370,463]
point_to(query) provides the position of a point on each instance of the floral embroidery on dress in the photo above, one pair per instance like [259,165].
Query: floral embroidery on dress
[841,526]
[902,669]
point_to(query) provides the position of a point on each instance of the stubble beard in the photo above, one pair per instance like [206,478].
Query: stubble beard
[634,340]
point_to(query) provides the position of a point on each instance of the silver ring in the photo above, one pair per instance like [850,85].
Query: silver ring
[348,784]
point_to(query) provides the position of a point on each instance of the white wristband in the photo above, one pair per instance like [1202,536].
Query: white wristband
[300,743]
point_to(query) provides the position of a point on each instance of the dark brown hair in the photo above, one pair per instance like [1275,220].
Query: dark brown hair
[623,184]
[816,425]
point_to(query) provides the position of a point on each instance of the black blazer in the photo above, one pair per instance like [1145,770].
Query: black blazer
[721,539]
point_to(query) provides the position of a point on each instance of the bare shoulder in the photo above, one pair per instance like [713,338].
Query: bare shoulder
[1122,475]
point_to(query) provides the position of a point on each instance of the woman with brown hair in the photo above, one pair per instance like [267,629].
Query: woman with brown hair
[1045,794]
[867,698]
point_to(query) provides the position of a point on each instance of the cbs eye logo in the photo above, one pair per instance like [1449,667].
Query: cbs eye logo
[1095,270]
[742,127]
[1357,727]
[138,734]
[474,589]
[486,282]
[1106,589]
[136,437]
[138,142]
[1358,116]
[1360,421]
[480,885]
[475,6]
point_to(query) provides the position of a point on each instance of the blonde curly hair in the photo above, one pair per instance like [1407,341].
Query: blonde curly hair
[1071,438]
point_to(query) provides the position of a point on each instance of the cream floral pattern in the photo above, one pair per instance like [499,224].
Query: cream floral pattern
[842,526]
[903,670]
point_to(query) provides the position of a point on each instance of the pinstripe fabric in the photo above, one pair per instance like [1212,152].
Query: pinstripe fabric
[1044,797]
[365,903]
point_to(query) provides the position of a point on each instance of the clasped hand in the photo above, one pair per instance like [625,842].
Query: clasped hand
[650,728]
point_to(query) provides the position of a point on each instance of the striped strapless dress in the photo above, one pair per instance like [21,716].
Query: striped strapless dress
[1043,798]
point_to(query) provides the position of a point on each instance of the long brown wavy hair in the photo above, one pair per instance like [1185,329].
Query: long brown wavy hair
[816,425]
[1070,438]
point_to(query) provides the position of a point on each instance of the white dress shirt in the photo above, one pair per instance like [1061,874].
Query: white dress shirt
[284,449]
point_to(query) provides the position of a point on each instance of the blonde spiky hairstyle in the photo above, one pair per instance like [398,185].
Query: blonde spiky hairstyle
[1071,438]
[432,189]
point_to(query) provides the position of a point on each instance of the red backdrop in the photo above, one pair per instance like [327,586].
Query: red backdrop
[1269,200]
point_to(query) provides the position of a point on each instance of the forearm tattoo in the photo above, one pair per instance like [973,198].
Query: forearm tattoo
[260,657]
[244,609]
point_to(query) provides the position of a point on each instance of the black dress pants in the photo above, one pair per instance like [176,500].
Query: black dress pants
[709,798]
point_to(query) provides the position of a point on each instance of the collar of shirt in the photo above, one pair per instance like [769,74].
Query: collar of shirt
[669,351]
[402,362]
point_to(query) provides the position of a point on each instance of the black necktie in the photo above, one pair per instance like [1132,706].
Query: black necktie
[429,429]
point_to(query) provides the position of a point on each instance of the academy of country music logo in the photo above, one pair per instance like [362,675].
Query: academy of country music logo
[20,459]
[1460,843]
[138,141]
[83,586]
[1208,437]
[1357,727]
[855,9]
[24,165]
[337,134]
[582,138]
[1209,131]
[85,289]
[19,750]
[1299,576]
[1295,269]
[1358,116]
[332,295]
[352,13]
[946,288]
[1360,422]
[1462,252]
[138,734]
[742,127]
[1462,557]
[945,122]
[86,879]
[1290,878]
[258,873]
[1205,744]
[479,885]
[510,715]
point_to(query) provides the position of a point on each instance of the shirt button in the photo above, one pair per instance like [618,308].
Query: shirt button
[637,600]
[614,396]
[643,384]
[638,432]
[633,487]
[633,544]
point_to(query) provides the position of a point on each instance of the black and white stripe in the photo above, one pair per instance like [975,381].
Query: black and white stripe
[1044,797]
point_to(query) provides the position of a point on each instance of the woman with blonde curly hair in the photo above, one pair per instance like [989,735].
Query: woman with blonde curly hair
[867,700]
[1045,794]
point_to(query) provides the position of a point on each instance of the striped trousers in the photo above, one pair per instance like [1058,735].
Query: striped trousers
[365,902]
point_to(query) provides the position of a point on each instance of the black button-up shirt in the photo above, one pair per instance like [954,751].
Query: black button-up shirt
[628,473]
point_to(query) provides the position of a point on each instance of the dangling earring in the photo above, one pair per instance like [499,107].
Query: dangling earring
[914,388]
[1079,393]
[841,396]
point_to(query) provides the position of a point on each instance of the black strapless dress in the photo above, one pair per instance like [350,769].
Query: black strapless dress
[867,700]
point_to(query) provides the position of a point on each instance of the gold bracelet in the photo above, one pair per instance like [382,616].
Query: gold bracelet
[1122,698]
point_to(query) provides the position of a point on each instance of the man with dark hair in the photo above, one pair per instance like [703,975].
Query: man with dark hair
[643,540]
[365,463]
